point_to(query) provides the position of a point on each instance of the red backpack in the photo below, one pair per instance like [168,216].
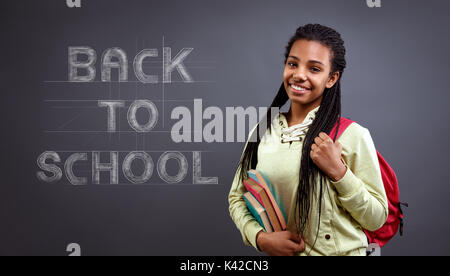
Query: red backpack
[395,217]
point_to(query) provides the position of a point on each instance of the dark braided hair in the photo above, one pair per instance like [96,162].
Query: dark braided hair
[327,115]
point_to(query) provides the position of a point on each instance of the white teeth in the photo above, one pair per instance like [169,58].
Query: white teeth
[298,87]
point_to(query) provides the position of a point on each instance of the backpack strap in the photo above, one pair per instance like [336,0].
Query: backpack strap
[342,127]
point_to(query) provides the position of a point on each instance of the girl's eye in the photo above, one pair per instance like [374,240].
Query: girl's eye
[315,69]
[291,64]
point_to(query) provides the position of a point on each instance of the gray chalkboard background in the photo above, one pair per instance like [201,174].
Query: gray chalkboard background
[396,85]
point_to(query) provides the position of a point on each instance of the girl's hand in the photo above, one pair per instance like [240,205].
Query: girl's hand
[283,243]
[327,156]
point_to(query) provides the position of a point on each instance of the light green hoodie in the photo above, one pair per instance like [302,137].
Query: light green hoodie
[356,201]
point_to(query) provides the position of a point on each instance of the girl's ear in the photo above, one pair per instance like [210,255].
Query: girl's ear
[332,80]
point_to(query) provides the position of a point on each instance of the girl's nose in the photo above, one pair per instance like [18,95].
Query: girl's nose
[299,75]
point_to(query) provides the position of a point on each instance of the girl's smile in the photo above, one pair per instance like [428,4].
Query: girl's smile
[298,89]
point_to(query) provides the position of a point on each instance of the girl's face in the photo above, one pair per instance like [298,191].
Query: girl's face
[307,73]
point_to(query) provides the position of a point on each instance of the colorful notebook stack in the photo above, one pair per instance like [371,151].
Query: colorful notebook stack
[262,204]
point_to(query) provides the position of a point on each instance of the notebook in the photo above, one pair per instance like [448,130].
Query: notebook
[263,198]
[258,212]
[264,182]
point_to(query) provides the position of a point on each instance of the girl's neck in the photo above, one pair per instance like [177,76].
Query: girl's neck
[297,113]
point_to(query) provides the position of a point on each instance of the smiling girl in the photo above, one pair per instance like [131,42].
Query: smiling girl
[329,189]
